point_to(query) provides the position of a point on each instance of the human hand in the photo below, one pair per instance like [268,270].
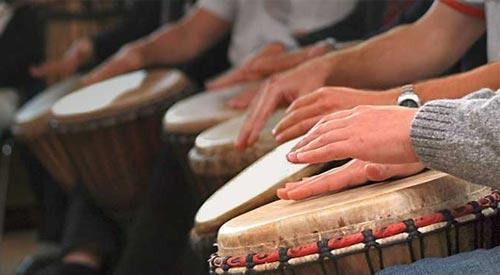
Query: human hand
[280,89]
[354,173]
[244,99]
[378,134]
[242,73]
[306,111]
[128,58]
[270,60]
[78,53]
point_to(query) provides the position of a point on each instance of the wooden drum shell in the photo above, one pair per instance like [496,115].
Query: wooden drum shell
[115,163]
[54,157]
[114,150]
[31,126]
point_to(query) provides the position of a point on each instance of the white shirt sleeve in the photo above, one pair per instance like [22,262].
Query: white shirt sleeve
[225,9]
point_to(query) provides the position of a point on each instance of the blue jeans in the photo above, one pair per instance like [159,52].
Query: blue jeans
[475,262]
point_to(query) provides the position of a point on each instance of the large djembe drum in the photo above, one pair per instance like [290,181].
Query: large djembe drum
[362,230]
[214,159]
[31,126]
[112,132]
[189,117]
[253,187]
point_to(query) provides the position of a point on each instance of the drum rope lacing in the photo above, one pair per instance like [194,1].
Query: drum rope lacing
[325,247]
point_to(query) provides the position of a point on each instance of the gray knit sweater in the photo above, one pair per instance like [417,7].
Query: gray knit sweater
[461,137]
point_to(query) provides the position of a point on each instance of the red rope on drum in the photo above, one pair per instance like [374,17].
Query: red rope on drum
[227,262]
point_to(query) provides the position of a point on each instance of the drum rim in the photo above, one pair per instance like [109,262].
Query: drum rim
[79,123]
[38,124]
[196,127]
[208,226]
[326,247]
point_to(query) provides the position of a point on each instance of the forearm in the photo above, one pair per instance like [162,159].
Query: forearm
[182,41]
[461,137]
[407,53]
[460,85]
[452,87]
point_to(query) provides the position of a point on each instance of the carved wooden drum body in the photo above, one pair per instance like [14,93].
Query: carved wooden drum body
[189,117]
[253,187]
[112,132]
[362,230]
[31,126]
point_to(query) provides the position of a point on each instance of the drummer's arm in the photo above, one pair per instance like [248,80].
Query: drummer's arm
[417,51]
[184,40]
[454,86]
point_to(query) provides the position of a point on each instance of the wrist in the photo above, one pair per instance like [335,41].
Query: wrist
[139,50]
[81,52]
[388,97]
[324,67]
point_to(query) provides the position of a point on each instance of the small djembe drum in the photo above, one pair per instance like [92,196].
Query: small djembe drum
[360,231]
[31,126]
[214,159]
[112,132]
[189,117]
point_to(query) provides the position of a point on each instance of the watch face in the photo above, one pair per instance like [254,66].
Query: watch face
[408,103]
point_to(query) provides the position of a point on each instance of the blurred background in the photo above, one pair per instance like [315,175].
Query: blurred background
[45,30]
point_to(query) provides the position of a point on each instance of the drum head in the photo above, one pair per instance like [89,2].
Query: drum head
[220,138]
[199,112]
[33,115]
[214,153]
[120,95]
[296,223]
[253,187]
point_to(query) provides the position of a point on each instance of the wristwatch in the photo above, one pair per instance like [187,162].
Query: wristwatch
[408,97]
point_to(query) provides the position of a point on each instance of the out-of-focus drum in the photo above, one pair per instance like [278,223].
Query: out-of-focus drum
[253,187]
[31,126]
[189,117]
[362,230]
[214,159]
[112,129]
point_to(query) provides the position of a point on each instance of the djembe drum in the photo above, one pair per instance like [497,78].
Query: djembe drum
[189,117]
[360,231]
[214,159]
[31,126]
[253,187]
[112,129]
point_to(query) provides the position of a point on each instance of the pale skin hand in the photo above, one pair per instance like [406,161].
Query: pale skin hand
[80,52]
[354,173]
[378,134]
[280,89]
[242,100]
[306,111]
[270,60]
[129,58]
[243,73]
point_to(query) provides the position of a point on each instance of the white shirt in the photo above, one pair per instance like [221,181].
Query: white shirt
[493,29]
[257,23]
[5,16]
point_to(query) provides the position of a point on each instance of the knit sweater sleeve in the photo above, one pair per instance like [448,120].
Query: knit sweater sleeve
[461,137]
